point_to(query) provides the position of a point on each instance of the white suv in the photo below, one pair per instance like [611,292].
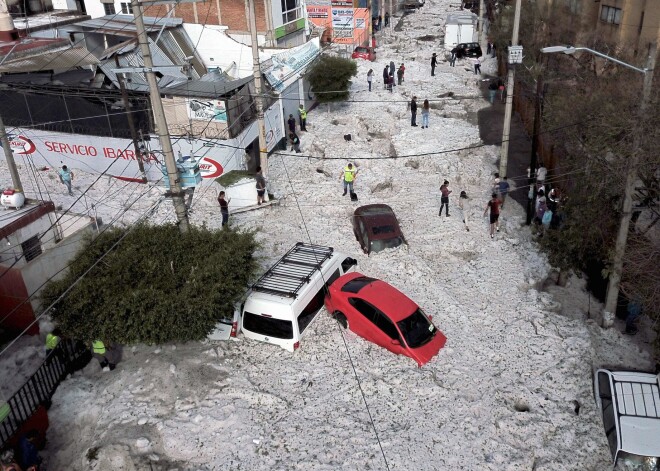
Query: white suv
[630,405]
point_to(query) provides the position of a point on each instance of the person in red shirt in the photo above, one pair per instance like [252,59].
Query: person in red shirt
[494,205]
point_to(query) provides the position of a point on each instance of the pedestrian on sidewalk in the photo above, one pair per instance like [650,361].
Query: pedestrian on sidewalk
[390,83]
[492,91]
[444,198]
[387,19]
[224,208]
[66,177]
[295,142]
[392,71]
[503,187]
[261,185]
[302,114]
[477,65]
[348,177]
[434,62]
[291,122]
[488,48]
[370,78]
[464,206]
[502,89]
[413,111]
[494,206]
[386,76]
[426,109]
[452,57]
[493,49]
[380,22]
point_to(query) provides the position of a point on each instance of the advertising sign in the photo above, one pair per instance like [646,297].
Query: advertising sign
[360,23]
[342,22]
[201,109]
[342,3]
[317,12]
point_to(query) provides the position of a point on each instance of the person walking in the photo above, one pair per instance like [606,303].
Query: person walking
[464,206]
[291,122]
[426,110]
[386,76]
[370,78]
[261,185]
[503,188]
[477,65]
[66,177]
[224,208]
[413,111]
[434,62]
[494,206]
[399,74]
[348,176]
[452,57]
[444,198]
[302,114]
[492,91]
[295,142]
[387,19]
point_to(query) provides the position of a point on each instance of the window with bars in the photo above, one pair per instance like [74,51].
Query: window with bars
[126,8]
[109,8]
[610,15]
[31,248]
[291,10]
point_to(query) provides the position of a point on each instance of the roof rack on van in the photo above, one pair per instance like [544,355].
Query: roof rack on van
[293,270]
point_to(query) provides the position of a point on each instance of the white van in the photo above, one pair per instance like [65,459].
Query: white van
[283,303]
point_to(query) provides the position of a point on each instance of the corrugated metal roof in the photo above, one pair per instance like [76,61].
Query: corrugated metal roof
[205,89]
[124,25]
[138,81]
[59,59]
[177,49]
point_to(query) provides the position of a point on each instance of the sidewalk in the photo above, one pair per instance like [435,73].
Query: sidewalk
[491,121]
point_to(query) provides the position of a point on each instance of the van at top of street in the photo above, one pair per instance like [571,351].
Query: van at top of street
[283,303]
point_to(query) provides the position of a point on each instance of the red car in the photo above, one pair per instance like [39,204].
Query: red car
[381,314]
[363,52]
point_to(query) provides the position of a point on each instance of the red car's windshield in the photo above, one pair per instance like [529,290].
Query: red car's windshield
[416,329]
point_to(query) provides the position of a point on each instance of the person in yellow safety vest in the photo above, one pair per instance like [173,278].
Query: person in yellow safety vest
[302,115]
[348,175]
[52,339]
[107,356]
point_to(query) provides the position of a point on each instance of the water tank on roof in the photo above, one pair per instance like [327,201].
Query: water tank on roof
[12,199]
[189,174]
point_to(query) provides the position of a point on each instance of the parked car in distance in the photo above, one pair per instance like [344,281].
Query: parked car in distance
[364,52]
[376,228]
[629,403]
[413,4]
[381,314]
[469,50]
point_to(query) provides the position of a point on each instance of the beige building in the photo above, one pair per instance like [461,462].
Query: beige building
[630,24]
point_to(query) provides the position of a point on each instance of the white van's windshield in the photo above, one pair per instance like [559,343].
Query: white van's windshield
[268,326]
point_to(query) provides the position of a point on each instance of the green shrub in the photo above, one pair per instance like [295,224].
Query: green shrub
[330,78]
[156,286]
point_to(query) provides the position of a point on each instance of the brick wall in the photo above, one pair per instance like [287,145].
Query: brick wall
[232,13]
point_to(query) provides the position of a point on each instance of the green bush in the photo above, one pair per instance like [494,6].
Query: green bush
[156,286]
[330,78]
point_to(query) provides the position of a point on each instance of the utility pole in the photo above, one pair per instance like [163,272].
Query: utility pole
[535,145]
[509,95]
[131,123]
[161,123]
[259,89]
[631,179]
[15,177]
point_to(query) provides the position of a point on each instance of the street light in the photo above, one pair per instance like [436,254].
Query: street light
[631,175]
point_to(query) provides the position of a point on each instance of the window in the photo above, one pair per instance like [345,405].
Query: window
[387,326]
[331,280]
[416,329]
[31,248]
[364,308]
[356,284]
[291,10]
[109,8]
[347,264]
[610,15]
[268,326]
[575,6]
[126,8]
[311,310]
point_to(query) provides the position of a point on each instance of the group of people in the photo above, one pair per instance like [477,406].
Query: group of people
[294,140]
[377,21]
[388,76]
[426,110]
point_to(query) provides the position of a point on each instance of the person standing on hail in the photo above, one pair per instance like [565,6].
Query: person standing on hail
[302,115]
[348,174]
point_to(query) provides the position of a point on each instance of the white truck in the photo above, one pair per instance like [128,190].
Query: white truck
[461,27]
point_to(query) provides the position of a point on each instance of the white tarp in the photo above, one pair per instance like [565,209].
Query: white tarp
[287,66]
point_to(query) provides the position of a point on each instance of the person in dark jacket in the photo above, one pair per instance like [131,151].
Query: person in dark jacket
[392,70]
[413,111]
[28,455]
[434,62]
[454,53]
[292,123]
[386,76]
[387,19]
[295,142]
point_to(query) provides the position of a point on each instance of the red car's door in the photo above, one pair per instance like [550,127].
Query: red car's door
[373,325]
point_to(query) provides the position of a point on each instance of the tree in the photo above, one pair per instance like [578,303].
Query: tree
[157,285]
[330,78]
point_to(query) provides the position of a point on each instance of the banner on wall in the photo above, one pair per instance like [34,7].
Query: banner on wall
[360,23]
[342,3]
[201,109]
[342,22]
[286,66]
[317,12]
